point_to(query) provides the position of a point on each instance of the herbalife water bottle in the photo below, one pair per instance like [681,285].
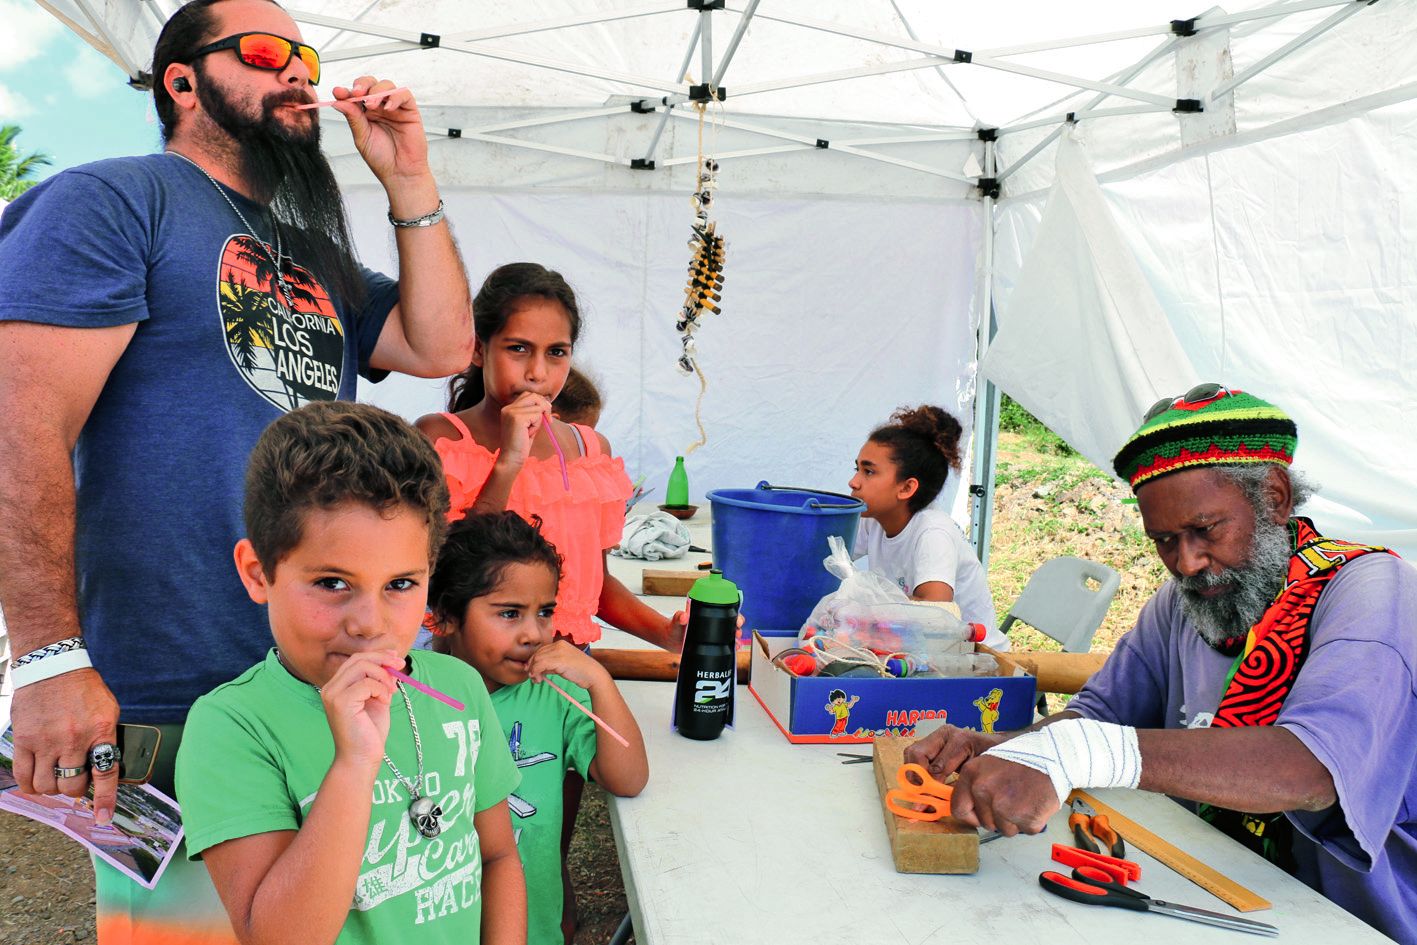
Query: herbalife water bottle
[703,696]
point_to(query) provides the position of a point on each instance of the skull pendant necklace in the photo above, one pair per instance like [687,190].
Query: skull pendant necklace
[422,810]
[426,814]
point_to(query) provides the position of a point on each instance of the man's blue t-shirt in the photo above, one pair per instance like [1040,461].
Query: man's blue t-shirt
[160,463]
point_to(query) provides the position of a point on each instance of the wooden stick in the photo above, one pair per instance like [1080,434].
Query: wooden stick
[1057,672]
[1212,881]
[654,665]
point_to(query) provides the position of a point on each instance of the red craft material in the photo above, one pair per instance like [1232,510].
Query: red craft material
[800,664]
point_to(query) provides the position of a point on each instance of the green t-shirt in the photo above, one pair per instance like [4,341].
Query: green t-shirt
[256,749]
[547,736]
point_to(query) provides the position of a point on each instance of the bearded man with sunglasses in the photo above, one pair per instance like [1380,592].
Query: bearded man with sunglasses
[1269,684]
[156,313]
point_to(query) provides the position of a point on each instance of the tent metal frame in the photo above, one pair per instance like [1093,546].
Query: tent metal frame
[672,93]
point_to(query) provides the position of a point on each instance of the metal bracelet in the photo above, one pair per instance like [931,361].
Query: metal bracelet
[52,665]
[52,649]
[428,219]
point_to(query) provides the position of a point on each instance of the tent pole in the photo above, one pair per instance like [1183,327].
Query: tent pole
[668,105]
[706,46]
[744,19]
[1278,54]
[841,146]
[986,396]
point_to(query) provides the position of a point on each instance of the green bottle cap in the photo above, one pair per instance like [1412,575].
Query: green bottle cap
[715,589]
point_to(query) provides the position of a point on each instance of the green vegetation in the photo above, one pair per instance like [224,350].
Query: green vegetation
[1014,419]
[1048,504]
[17,170]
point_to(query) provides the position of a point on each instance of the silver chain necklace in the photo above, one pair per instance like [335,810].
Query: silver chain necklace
[275,260]
[425,813]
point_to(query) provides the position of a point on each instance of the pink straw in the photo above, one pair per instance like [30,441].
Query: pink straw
[336,101]
[565,477]
[593,717]
[426,690]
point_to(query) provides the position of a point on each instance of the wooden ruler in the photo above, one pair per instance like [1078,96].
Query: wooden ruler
[1212,881]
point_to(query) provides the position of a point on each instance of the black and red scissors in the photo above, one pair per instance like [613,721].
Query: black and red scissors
[1091,887]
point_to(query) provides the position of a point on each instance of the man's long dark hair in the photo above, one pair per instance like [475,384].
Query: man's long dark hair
[285,169]
[181,36]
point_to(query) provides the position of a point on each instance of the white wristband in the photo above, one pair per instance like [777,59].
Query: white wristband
[1078,753]
[49,667]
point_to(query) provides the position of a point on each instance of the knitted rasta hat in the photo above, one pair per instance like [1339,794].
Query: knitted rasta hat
[1225,428]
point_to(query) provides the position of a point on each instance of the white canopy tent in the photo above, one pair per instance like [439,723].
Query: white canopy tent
[885,171]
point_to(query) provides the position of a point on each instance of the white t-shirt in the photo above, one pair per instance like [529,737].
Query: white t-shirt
[932,548]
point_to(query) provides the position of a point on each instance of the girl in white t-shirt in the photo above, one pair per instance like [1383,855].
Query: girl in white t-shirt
[900,470]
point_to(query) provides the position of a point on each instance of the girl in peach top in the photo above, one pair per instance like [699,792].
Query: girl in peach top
[498,455]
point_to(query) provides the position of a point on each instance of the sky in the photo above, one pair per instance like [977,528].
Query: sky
[70,101]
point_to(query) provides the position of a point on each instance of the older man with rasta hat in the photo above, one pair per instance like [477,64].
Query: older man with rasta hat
[1269,684]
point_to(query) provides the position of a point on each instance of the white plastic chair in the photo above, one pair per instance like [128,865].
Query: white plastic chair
[1060,601]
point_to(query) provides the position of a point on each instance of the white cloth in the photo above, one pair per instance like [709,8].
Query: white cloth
[932,548]
[653,536]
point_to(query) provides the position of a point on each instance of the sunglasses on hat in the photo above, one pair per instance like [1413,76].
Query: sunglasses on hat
[267,51]
[1196,395]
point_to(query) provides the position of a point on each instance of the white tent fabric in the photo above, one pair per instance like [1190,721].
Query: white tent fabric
[1302,292]
[1083,326]
[1274,226]
[800,366]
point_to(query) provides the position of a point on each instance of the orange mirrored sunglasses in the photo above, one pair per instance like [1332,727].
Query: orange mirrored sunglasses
[267,51]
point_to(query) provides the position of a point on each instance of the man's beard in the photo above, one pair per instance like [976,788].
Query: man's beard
[284,167]
[1252,586]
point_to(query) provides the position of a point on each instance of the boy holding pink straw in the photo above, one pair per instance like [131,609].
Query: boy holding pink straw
[330,800]
[493,595]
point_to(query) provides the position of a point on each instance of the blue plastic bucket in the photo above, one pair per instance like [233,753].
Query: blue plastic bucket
[770,541]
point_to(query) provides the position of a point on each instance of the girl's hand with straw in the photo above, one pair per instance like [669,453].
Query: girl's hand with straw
[569,662]
[620,765]
[521,423]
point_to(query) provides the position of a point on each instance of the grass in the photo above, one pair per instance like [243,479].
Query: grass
[1050,501]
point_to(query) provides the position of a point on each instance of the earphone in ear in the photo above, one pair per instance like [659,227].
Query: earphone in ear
[180,84]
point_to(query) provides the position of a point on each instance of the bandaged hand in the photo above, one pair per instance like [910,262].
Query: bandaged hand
[1077,753]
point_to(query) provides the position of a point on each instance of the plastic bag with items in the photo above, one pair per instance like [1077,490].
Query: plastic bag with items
[869,612]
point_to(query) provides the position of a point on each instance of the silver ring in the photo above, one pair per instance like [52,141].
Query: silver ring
[70,772]
[104,757]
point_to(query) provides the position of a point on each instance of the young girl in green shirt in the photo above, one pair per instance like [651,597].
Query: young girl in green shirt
[493,594]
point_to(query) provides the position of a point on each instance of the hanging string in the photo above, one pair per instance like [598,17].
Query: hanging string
[705,266]
[699,411]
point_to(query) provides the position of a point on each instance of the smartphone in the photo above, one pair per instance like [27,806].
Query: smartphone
[139,746]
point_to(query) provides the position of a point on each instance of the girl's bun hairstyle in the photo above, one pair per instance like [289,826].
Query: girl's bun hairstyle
[924,442]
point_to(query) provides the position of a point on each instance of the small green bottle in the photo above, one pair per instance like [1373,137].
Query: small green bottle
[676,495]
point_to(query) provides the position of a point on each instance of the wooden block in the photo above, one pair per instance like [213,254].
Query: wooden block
[1057,672]
[945,846]
[655,665]
[667,583]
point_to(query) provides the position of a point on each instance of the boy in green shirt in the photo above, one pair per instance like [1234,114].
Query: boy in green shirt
[493,594]
[329,801]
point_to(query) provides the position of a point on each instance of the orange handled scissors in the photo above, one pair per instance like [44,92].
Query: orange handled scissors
[930,798]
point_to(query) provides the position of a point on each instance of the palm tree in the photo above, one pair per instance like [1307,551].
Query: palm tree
[16,170]
[247,322]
